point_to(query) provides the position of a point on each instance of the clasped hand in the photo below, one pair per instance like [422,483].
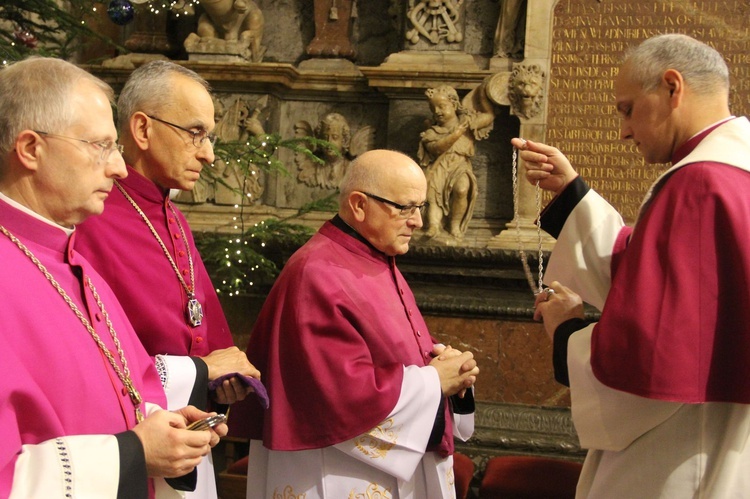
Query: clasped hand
[457,370]
[225,361]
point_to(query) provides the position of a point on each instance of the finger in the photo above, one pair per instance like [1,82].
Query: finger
[539,298]
[539,311]
[541,148]
[519,143]
[468,365]
[438,349]
[236,387]
[196,440]
[220,430]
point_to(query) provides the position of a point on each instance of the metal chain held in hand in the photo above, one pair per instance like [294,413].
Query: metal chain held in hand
[537,287]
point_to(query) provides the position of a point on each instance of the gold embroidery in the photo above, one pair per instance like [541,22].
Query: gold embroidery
[378,441]
[373,491]
[451,479]
[288,493]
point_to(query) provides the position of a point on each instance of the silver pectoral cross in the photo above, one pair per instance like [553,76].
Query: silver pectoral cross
[194,311]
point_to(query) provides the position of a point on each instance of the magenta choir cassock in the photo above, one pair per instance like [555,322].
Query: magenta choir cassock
[343,349]
[123,249]
[125,252]
[61,400]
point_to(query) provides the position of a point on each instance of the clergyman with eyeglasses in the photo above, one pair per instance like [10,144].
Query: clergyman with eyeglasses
[359,390]
[144,247]
[79,396]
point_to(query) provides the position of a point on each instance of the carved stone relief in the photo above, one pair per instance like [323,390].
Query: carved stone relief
[228,28]
[526,89]
[510,35]
[435,20]
[333,128]
[332,29]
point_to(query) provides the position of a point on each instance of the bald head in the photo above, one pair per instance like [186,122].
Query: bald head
[377,170]
[376,193]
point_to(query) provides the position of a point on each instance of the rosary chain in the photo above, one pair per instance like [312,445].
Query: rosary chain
[537,287]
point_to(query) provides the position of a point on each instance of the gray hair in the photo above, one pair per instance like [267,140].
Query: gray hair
[357,177]
[702,67]
[35,94]
[149,88]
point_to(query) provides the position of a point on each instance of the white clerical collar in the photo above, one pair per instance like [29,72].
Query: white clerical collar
[34,214]
[713,125]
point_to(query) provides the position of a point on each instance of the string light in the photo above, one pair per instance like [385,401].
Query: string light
[239,260]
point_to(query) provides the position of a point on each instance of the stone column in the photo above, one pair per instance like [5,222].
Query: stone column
[538,53]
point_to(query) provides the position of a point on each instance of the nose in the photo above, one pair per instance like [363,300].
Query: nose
[206,152]
[415,220]
[115,166]
[625,132]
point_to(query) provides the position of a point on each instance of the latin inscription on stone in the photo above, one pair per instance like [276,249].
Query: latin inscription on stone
[589,39]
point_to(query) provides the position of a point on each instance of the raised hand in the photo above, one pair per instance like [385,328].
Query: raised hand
[545,164]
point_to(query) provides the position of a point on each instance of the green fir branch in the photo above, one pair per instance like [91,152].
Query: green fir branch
[59,31]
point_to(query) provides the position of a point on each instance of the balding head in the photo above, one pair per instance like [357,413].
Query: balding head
[397,180]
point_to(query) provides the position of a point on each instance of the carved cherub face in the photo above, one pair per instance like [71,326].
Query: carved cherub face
[333,134]
[334,129]
[443,109]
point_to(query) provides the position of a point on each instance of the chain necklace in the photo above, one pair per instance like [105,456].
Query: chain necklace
[537,287]
[124,373]
[194,310]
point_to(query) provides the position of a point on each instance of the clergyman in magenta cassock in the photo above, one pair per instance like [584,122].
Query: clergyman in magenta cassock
[52,369]
[343,346]
[655,381]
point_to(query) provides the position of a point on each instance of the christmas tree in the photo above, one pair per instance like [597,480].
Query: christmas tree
[49,28]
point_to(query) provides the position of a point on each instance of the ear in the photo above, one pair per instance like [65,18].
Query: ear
[140,130]
[28,148]
[673,81]
[356,202]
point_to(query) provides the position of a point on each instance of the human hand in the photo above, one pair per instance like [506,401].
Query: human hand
[555,305]
[192,414]
[457,371]
[226,361]
[169,449]
[442,352]
[545,164]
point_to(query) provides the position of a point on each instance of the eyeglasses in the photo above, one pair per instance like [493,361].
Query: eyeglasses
[199,138]
[405,210]
[106,146]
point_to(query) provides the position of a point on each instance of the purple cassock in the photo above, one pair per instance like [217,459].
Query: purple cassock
[122,248]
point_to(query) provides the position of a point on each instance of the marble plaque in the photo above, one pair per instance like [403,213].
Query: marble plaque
[588,41]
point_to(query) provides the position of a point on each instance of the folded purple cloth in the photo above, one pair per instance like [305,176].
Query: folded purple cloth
[258,388]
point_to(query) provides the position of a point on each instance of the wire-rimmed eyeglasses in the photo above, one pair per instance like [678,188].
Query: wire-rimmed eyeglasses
[106,146]
[405,210]
[199,137]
